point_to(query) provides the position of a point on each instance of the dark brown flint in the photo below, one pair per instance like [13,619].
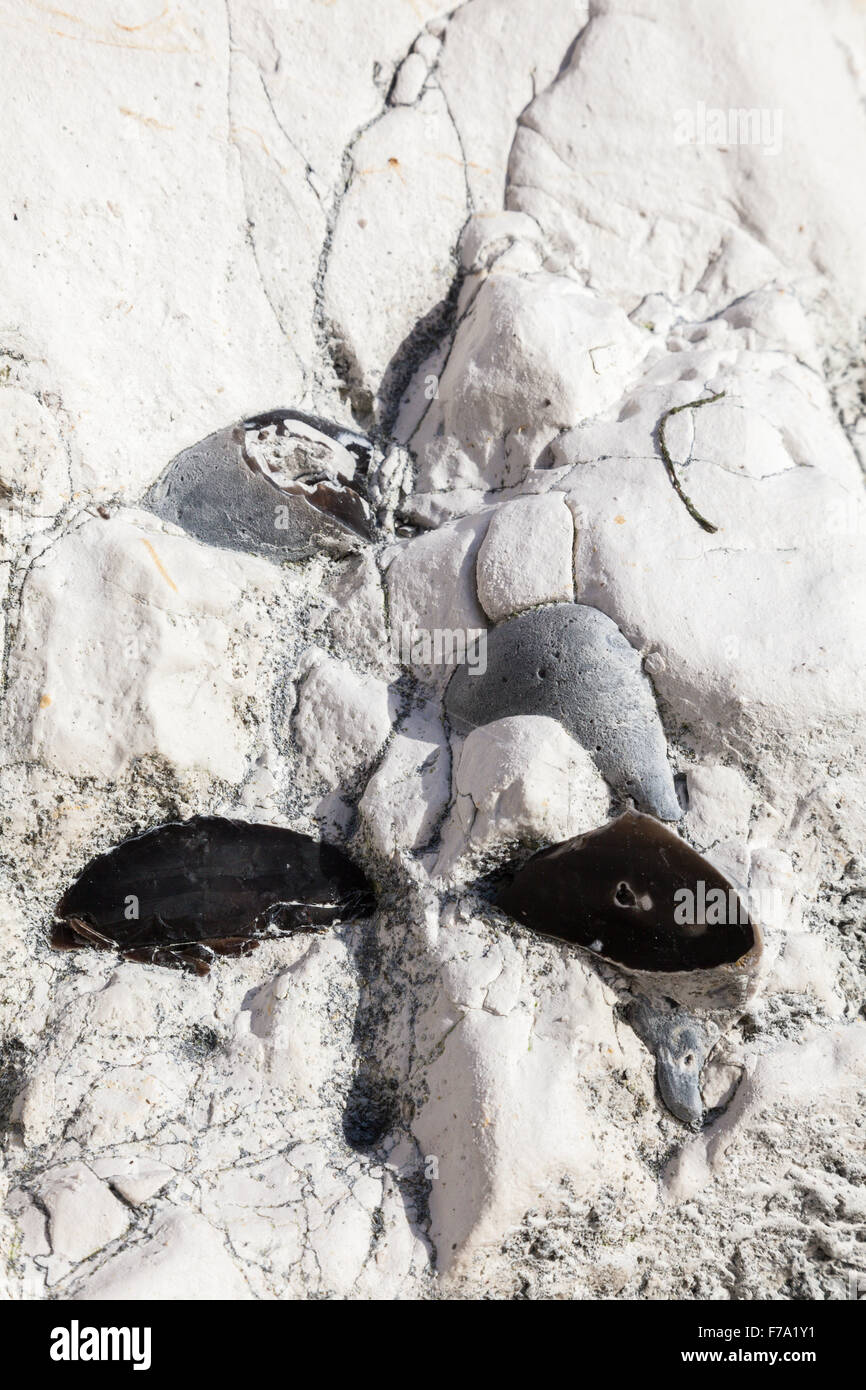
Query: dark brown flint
[621,892]
[188,889]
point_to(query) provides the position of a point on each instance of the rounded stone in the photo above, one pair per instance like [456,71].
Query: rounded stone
[572,663]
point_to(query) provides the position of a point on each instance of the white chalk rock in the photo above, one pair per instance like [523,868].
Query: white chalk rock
[772,415]
[283,203]
[410,79]
[29,1233]
[526,558]
[183,1257]
[354,60]
[133,643]
[342,720]
[720,804]
[357,621]
[773,319]
[120,1107]
[494,60]
[520,781]
[34,1107]
[782,1088]
[808,965]
[432,599]
[408,792]
[128,1006]
[390,259]
[510,1106]
[146,299]
[136,1179]
[731,618]
[533,355]
[301,1039]
[490,239]
[646,203]
[83,1214]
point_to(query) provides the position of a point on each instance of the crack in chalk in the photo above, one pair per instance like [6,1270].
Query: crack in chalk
[308,168]
[458,134]
[460,320]
[331,342]
[668,461]
[331,339]
[248,223]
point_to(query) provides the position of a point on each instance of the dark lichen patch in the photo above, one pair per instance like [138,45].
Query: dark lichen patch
[282,484]
[371,1111]
[571,662]
[635,894]
[200,1042]
[13,1071]
[188,890]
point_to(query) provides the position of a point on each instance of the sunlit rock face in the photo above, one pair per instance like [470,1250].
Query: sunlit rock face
[311,395]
